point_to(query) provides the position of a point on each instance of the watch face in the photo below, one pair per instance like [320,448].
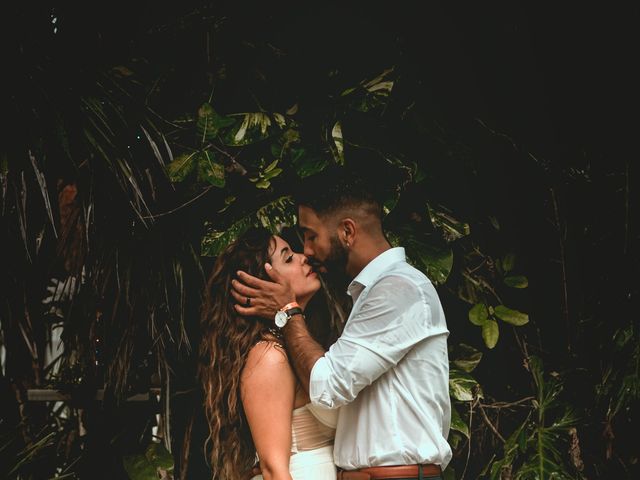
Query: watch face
[281,319]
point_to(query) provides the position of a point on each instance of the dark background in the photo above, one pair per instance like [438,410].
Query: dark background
[553,86]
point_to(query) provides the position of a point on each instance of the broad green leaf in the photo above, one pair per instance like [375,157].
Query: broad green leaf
[513,317]
[462,386]
[454,439]
[457,423]
[490,333]
[272,173]
[305,164]
[336,134]
[215,241]
[263,184]
[271,166]
[209,171]
[158,456]
[465,357]
[182,166]
[517,281]
[435,261]
[478,314]
[145,466]
[209,123]
[278,213]
[254,128]
[508,262]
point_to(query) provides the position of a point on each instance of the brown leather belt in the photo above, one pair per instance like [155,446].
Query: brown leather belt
[379,473]
[389,472]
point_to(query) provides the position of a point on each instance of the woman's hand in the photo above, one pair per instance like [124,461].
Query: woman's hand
[261,298]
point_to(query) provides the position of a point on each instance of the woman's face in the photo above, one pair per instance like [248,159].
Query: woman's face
[295,268]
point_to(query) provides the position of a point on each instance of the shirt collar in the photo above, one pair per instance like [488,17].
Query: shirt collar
[375,268]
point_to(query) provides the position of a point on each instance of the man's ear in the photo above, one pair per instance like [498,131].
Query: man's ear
[347,231]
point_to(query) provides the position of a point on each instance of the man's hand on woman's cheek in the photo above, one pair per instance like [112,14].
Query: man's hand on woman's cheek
[261,298]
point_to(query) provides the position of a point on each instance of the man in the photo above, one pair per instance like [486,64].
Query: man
[388,372]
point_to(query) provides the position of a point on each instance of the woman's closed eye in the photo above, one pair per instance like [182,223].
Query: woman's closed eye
[289,259]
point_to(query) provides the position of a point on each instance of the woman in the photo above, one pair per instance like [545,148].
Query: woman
[253,401]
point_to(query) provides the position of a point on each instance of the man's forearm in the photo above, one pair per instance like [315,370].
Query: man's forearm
[303,350]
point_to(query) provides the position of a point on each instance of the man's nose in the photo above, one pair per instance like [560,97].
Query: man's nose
[308,251]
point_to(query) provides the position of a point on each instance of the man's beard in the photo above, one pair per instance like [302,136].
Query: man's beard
[336,263]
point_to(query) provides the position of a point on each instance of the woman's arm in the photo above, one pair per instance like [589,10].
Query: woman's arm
[268,390]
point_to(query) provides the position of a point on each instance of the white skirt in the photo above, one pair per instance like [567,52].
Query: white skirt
[314,464]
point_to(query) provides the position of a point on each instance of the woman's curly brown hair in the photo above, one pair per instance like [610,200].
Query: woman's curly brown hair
[226,342]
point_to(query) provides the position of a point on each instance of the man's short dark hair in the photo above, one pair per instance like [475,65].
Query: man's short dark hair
[336,189]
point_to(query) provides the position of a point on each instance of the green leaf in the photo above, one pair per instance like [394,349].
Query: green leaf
[490,333]
[277,213]
[272,173]
[254,127]
[263,184]
[510,316]
[145,466]
[158,456]
[508,262]
[209,171]
[457,423]
[462,386]
[181,167]
[271,166]
[348,91]
[479,314]
[437,262]
[305,164]
[209,122]
[516,281]
[215,241]
[466,357]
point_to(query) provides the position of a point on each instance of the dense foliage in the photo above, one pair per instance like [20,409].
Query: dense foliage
[142,141]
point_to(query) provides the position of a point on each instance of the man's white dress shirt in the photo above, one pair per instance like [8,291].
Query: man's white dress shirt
[389,370]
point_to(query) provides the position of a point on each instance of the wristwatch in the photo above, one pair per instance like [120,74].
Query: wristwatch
[285,313]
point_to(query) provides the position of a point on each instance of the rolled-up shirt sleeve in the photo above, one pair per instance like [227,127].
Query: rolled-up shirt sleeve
[392,319]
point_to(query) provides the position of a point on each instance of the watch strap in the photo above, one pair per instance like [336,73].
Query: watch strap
[289,306]
[293,311]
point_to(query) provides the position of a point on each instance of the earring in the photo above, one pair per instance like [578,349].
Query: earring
[347,244]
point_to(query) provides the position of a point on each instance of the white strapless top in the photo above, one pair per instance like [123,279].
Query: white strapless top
[312,427]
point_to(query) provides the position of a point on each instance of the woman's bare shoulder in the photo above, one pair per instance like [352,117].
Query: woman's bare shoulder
[267,355]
